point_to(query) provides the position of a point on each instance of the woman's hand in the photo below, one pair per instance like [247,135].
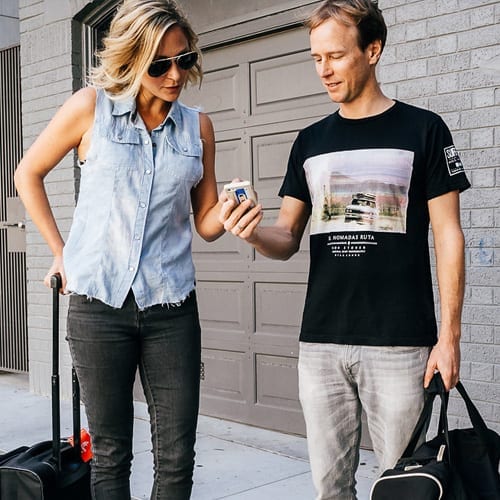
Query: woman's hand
[239,219]
[57,267]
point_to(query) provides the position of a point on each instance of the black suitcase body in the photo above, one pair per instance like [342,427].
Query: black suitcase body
[33,474]
[49,470]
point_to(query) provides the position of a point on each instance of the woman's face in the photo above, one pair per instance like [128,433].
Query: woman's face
[169,85]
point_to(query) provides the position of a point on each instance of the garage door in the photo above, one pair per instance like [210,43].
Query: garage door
[259,94]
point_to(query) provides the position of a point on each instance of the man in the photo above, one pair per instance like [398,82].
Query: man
[370,177]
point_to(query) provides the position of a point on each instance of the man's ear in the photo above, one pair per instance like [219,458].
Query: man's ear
[374,51]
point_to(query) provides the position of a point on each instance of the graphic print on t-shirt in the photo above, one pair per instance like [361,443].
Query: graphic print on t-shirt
[455,165]
[363,190]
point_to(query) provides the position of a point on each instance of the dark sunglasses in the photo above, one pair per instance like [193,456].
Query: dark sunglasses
[161,66]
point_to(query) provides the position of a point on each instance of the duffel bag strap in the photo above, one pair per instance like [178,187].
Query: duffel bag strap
[435,388]
[475,418]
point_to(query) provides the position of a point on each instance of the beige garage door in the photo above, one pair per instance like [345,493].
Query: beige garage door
[259,94]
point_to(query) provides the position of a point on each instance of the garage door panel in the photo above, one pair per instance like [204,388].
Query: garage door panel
[270,157]
[277,381]
[280,419]
[277,406]
[227,254]
[285,82]
[270,154]
[225,375]
[220,95]
[270,148]
[290,41]
[231,160]
[278,308]
[233,296]
[211,339]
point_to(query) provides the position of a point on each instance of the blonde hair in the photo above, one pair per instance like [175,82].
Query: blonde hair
[134,36]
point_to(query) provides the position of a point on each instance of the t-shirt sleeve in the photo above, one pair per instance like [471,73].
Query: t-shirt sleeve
[295,182]
[445,170]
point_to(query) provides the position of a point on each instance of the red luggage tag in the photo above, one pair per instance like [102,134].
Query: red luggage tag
[86,447]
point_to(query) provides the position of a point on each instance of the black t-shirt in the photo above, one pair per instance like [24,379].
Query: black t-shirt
[367,183]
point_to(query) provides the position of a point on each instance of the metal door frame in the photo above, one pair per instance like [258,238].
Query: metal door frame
[13,292]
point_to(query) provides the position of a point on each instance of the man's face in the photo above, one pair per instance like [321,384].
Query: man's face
[345,70]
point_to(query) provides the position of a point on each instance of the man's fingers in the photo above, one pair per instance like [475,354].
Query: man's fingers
[245,229]
[241,216]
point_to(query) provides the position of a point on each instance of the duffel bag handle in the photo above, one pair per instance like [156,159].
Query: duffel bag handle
[435,388]
[477,421]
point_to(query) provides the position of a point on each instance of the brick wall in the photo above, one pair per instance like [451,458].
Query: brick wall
[47,81]
[440,55]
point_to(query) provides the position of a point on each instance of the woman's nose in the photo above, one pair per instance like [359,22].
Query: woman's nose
[174,72]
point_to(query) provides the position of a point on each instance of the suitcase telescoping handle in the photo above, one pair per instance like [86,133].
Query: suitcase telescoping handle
[56,284]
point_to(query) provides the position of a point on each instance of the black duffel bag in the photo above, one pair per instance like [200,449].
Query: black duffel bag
[461,464]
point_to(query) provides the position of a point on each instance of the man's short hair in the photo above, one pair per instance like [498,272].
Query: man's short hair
[364,14]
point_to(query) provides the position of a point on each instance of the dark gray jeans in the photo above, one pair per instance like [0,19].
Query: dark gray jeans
[107,346]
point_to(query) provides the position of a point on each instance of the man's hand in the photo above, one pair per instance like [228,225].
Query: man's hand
[444,358]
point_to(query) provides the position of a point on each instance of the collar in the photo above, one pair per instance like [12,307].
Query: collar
[123,106]
[128,106]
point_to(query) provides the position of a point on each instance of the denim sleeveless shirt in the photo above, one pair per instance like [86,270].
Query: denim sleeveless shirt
[131,227]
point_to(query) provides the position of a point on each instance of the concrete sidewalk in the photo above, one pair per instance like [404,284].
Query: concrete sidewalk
[233,461]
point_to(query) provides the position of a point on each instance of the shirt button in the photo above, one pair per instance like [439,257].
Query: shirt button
[146,141]
[184,149]
[148,172]
[142,205]
[131,268]
[137,237]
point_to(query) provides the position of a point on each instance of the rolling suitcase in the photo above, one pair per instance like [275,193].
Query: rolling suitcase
[49,470]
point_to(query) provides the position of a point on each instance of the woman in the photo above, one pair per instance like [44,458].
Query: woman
[127,263]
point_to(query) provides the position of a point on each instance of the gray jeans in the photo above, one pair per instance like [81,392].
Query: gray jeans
[335,383]
[107,346]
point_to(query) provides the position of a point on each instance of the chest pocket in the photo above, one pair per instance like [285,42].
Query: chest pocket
[124,147]
[186,158]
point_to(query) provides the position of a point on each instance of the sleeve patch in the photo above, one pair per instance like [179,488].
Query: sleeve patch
[455,165]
